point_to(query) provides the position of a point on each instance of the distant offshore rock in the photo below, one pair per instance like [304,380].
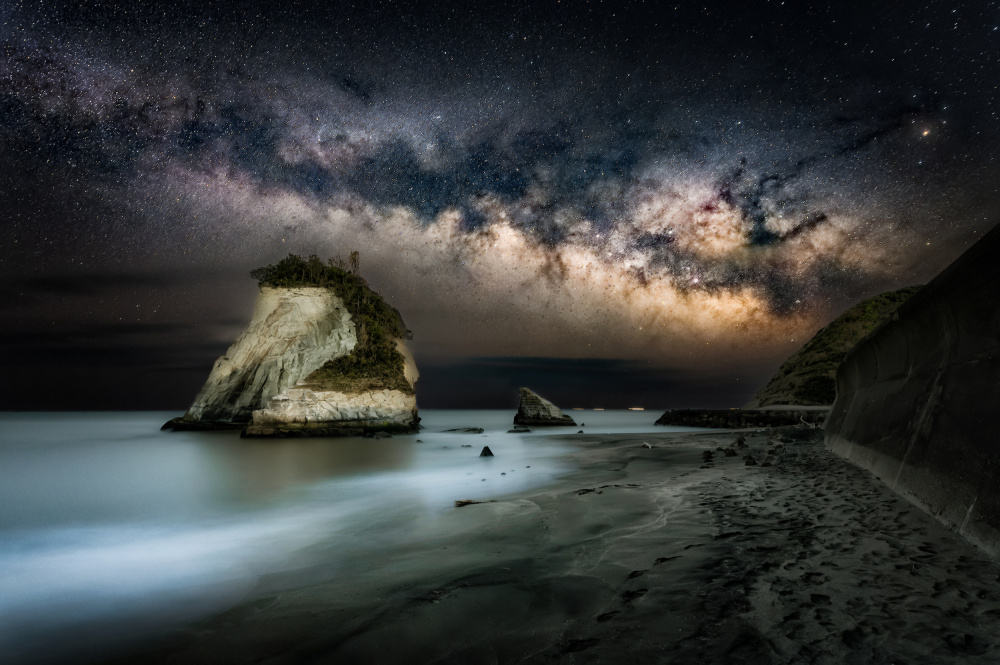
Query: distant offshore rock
[323,355]
[533,409]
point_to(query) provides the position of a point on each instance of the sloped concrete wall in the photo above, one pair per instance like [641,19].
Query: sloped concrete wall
[918,400]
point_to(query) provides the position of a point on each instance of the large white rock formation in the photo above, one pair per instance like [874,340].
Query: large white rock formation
[263,380]
[302,410]
[292,333]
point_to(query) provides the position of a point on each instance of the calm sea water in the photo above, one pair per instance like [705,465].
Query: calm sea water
[111,530]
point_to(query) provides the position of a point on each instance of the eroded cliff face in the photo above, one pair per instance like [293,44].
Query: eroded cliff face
[301,411]
[309,409]
[293,332]
[319,405]
[917,399]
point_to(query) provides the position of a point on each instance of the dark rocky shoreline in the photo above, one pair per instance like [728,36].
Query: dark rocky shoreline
[297,430]
[330,428]
[742,418]
[181,424]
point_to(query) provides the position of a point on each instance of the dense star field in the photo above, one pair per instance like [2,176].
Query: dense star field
[638,203]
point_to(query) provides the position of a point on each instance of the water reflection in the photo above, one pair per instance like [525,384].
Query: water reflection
[85,468]
[110,528]
[259,469]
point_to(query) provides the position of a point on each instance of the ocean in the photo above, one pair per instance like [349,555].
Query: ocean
[112,531]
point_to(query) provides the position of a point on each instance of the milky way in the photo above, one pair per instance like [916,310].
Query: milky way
[698,187]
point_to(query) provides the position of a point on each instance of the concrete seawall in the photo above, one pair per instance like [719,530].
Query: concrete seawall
[917,399]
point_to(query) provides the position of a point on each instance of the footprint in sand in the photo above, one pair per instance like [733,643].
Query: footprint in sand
[664,559]
[579,645]
[636,594]
[814,578]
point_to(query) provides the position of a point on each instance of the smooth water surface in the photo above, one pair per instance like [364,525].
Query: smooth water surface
[105,521]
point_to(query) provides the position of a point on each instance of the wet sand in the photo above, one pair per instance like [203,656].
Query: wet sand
[644,555]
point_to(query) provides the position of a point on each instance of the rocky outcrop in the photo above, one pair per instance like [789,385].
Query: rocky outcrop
[533,409]
[323,356]
[311,408]
[917,399]
[808,376]
[292,333]
[305,412]
[741,418]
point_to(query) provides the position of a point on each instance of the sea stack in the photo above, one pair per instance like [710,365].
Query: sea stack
[917,399]
[533,409]
[324,355]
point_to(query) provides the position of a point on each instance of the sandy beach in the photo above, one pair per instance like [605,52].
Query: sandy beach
[645,553]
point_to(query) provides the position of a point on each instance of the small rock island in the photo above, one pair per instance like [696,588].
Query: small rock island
[533,409]
[323,355]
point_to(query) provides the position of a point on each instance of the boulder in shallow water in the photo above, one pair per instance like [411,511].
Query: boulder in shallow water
[533,409]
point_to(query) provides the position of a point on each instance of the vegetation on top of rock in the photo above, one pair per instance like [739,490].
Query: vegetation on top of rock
[375,363]
[808,377]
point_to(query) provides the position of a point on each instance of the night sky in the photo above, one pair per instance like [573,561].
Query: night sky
[618,204]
